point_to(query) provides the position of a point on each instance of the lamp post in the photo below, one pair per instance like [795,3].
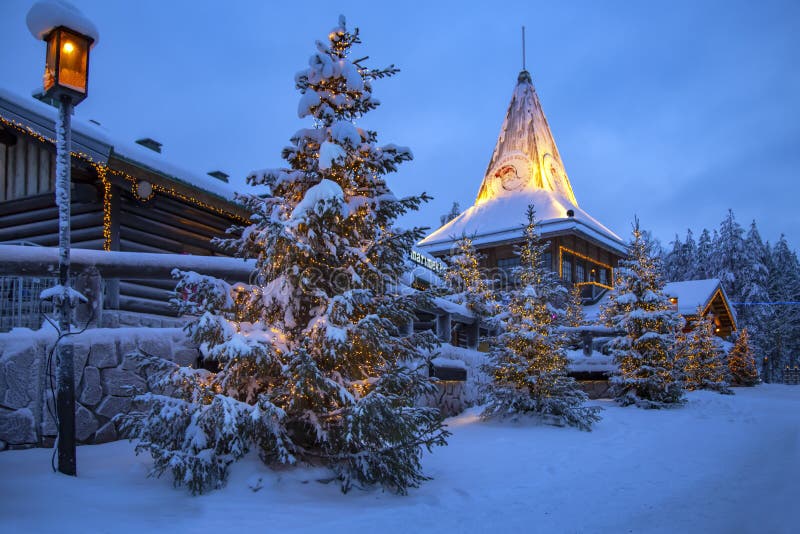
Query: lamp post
[69,38]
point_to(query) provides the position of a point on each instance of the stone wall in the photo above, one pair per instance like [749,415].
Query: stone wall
[453,397]
[105,380]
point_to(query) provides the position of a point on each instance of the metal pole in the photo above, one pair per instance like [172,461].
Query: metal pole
[65,374]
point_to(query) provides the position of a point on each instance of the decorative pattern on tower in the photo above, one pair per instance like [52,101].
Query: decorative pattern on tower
[526,156]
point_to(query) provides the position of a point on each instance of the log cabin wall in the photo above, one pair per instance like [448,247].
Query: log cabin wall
[28,210]
[27,166]
[166,225]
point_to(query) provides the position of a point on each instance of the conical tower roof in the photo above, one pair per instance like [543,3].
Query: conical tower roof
[525,168]
[526,156]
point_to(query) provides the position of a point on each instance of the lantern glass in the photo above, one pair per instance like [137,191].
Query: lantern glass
[67,63]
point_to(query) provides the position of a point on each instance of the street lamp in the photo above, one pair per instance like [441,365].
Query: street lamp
[66,72]
[69,36]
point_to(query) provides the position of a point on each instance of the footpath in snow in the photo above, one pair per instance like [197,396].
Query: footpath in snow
[720,464]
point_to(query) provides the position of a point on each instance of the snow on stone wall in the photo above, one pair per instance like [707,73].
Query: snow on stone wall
[103,378]
[454,397]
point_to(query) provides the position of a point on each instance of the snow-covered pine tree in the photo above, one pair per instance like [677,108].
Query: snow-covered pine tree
[728,255]
[783,324]
[454,212]
[705,248]
[703,358]
[574,315]
[647,373]
[741,362]
[467,281]
[673,269]
[754,311]
[312,367]
[528,363]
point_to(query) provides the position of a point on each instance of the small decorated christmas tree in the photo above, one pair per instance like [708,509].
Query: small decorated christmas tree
[741,362]
[312,366]
[467,281]
[574,314]
[528,364]
[703,358]
[647,374]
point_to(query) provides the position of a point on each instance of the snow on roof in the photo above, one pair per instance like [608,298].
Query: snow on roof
[41,117]
[525,168]
[504,217]
[692,294]
[44,16]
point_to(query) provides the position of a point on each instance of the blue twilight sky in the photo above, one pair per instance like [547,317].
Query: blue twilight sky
[673,110]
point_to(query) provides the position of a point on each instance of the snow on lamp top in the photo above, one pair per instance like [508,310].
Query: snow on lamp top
[44,17]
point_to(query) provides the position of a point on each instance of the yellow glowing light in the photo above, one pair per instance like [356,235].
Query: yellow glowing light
[68,47]
[562,250]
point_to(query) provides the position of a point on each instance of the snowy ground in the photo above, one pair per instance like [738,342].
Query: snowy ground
[720,464]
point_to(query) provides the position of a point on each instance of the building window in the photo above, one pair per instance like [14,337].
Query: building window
[547,261]
[580,272]
[566,268]
[604,276]
[508,264]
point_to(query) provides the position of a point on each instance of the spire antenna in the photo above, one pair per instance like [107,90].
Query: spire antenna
[523,48]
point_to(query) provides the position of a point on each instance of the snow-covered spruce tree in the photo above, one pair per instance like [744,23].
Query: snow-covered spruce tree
[741,363]
[728,257]
[573,314]
[645,354]
[703,358]
[705,248]
[783,321]
[454,212]
[312,367]
[467,282]
[754,312]
[528,363]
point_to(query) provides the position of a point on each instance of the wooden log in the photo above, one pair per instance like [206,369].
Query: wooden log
[79,237]
[46,177]
[12,206]
[11,153]
[27,217]
[132,289]
[177,207]
[166,284]
[26,231]
[140,305]
[32,169]
[127,245]
[179,240]
[174,220]
[41,261]
[19,168]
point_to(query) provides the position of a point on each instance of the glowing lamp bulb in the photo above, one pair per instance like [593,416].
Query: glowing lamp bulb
[68,47]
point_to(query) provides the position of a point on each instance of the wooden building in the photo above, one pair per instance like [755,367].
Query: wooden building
[125,197]
[695,299]
[526,169]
